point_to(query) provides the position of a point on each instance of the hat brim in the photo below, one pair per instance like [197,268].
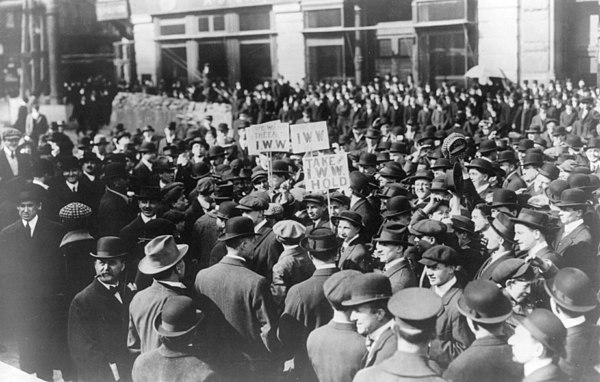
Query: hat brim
[503,236]
[146,269]
[393,214]
[559,204]
[107,256]
[227,236]
[565,304]
[527,223]
[336,219]
[402,242]
[483,169]
[166,333]
[304,242]
[364,300]
[427,262]
[464,310]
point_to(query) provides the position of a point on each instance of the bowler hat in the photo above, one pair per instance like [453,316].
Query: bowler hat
[534,129]
[439,184]
[280,167]
[593,143]
[574,141]
[392,170]
[75,210]
[572,197]
[421,174]
[550,171]
[350,216]
[555,190]
[392,189]
[559,130]
[441,164]
[227,210]
[216,151]
[149,193]
[109,247]
[463,223]
[200,170]
[508,269]
[572,289]
[546,328]
[338,287]
[393,233]
[29,194]
[373,133]
[367,159]
[488,146]
[259,175]
[359,183]
[398,148]
[161,253]
[524,145]
[68,162]
[147,147]
[369,287]
[178,317]
[397,205]
[321,240]
[483,302]
[580,181]
[440,254]
[504,198]
[533,219]
[504,227]
[359,124]
[89,157]
[482,165]
[236,227]
[415,305]
[533,158]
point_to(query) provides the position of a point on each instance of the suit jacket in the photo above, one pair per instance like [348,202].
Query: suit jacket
[97,328]
[401,276]
[577,250]
[453,335]
[266,252]
[241,313]
[549,373]
[306,309]
[581,350]
[514,182]
[487,268]
[370,217]
[354,255]
[204,238]
[23,165]
[144,308]
[487,359]
[336,351]
[167,365]
[114,212]
[142,176]
[293,267]
[97,189]
[400,367]
[547,253]
[59,195]
[383,348]
[79,270]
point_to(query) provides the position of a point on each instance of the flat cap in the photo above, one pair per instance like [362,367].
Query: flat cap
[440,254]
[205,186]
[9,132]
[338,287]
[253,203]
[289,229]
[274,209]
[428,227]
[415,304]
[75,210]
[512,269]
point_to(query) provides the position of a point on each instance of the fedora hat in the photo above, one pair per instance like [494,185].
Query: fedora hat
[503,227]
[439,184]
[359,183]
[236,227]
[533,158]
[227,210]
[488,146]
[369,287]
[392,189]
[441,164]
[392,170]
[215,152]
[367,159]
[572,197]
[463,223]
[373,133]
[349,216]
[178,317]
[533,219]
[555,190]
[482,165]
[550,171]
[483,301]
[320,240]
[504,198]
[546,328]
[393,233]
[109,247]
[421,174]
[161,253]
[572,289]
[397,205]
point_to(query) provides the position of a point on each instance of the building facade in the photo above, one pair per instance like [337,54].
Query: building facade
[432,40]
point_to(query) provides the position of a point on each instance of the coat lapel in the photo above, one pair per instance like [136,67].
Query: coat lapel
[377,346]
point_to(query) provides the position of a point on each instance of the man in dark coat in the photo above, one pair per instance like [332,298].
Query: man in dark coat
[98,318]
[489,358]
[359,183]
[33,272]
[389,249]
[68,187]
[13,163]
[115,209]
[336,351]
[354,253]
[306,307]
[179,358]
[500,242]
[240,313]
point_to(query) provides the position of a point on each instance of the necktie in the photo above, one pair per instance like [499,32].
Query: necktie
[28,228]
[12,154]
[369,343]
[113,289]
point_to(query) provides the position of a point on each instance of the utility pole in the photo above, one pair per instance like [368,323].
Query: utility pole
[598,52]
[358,59]
[53,59]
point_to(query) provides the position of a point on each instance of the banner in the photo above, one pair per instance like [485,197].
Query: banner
[309,137]
[325,172]
[268,137]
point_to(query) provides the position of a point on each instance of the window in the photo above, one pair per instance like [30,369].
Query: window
[10,20]
[219,23]
[441,10]
[385,48]
[405,46]
[447,53]
[323,18]
[326,62]
[166,30]
[203,24]
[255,21]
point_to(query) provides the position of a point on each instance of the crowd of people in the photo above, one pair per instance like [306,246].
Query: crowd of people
[464,249]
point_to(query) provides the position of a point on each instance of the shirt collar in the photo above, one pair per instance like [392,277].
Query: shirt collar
[482,188]
[538,247]
[9,153]
[147,164]
[236,257]
[572,322]
[44,186]
[259,225]
[107,286]
[146,219]
[392,263]
[118,193]
[377,333]
[325,266]
[570,227]
[176,284]
[535,364]
[73,185]
[90,177]
[443,289]
[32,223]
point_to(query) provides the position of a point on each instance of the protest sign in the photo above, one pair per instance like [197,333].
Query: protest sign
[309,137]
[268,137]
[324,172]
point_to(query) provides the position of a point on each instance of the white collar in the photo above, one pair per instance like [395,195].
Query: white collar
[118,193]
[443,289]
[32,223]
[146,219]
[236,257]
[203,203]
[73,185]
[324,266]
[536,364]
[9,152]
[538,247]
[570,227]
[572,322]
[177,284]
[260,225]
[107,286]
[147,164]
[39,183]
[480,189]
[354,199]
[392,263]
[347,242]
[90,177]
[379,332]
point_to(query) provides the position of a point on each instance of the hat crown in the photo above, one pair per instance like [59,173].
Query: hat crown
[571,287]
[178,314]
[338,287]
[228,209]
[415,304]
[573,196]
[485,300]
[398,204]
[501,195]
[441,254]
[75,210]
[371,286]
[545,327]
[239,225]
[110,246]
[430,227]
[289,229]
[161,251]
[150,192]
[321,239]
[533,217]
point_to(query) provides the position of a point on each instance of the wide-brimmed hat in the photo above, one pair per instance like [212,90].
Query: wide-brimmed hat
[178,317]
[110,247]
[482,165]
[393,233]
[572,289]
[320,240]
[502,197]
[236,227]
[161,253]
[503,226]
[350,216]
[421,174]
[533,219]
[572,197]
[483,302]
[369,287]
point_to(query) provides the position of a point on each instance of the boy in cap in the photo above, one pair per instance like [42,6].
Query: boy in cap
[538,342]
[369,303]
[452,333]
[489,357]
[354,253]
[415,311]
[294,265]
[336,351]
[98,317]
[516,277]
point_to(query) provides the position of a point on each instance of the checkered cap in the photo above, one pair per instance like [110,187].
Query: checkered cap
[75,210]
